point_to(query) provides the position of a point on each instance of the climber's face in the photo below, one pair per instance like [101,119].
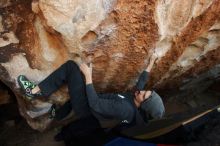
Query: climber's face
[141,96]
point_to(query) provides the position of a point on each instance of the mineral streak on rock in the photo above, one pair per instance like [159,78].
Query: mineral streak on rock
[189,34]
[195,53]
[119,37]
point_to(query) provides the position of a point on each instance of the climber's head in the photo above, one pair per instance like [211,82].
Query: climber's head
[150,103]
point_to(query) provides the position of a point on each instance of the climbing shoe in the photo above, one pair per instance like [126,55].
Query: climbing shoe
[26,87]
[52,111]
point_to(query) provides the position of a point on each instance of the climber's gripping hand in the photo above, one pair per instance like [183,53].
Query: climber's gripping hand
[87,72]
[151,62]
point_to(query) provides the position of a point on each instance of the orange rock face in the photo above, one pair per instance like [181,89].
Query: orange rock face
[119,37]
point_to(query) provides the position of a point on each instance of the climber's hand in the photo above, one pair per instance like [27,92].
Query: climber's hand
[151,62]
[153,57]
[87,71]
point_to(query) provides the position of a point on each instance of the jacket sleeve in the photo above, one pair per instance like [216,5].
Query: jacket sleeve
[115,107]
[142,80]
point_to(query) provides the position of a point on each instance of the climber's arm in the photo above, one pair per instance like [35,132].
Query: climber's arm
[145,74]
[115,107]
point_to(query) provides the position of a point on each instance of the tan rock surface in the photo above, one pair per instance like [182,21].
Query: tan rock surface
[119,36]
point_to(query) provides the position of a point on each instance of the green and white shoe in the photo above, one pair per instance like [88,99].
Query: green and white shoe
[26,87]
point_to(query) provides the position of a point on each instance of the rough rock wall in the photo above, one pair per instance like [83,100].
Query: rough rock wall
[118,36]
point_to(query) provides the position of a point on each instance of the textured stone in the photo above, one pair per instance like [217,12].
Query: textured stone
[73,19]
[8,38]
[5,3]
[5,97]
[1,26]
[119,37]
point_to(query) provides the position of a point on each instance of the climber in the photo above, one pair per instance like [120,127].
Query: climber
[129,108]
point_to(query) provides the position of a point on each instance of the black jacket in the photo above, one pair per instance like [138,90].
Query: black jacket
[117,106]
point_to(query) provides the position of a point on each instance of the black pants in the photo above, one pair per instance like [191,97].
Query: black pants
[70,74]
